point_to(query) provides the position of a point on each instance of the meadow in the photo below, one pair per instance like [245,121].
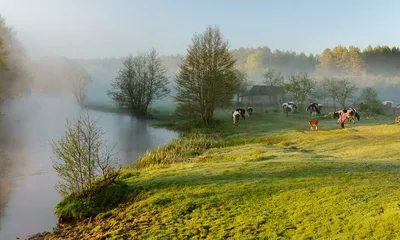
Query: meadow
[268,178]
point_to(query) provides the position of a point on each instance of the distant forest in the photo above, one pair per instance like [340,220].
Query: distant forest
[373,64]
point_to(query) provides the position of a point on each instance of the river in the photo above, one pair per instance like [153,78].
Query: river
[27,179]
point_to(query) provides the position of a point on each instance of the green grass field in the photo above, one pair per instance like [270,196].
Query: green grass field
[268,178]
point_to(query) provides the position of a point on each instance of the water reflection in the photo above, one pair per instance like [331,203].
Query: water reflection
[27,196]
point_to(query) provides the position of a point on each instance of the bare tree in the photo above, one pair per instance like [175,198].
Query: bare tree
[320,92]
[340,90]
[80,80]
[141,81]
[81,157]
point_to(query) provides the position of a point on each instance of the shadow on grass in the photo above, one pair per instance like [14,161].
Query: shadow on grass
[321,169]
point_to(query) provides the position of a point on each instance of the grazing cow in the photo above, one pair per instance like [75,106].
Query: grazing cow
[235,117]
[350,114]
[397,120]
[342,118]
[313,124]
[288,107]
[387,104]
[314,108]
[250,111]
[242,112]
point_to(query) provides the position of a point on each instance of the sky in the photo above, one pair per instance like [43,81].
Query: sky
[105,28]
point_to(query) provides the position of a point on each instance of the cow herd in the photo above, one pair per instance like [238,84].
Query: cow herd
[344,115]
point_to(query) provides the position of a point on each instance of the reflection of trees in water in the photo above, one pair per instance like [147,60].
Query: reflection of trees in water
[5,167]
[134,140]
[12,140]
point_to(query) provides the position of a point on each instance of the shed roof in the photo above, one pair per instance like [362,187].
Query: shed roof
[264,90]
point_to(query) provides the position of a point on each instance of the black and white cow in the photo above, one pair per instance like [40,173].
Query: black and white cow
[314,108]
[351,113]
[288,107]
[242,112]
[235,117]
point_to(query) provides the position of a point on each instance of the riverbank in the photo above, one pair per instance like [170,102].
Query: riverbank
[269,177]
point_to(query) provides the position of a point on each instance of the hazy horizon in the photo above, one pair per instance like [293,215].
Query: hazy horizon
[98,29]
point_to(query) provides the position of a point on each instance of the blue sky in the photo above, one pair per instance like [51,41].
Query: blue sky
[105,28]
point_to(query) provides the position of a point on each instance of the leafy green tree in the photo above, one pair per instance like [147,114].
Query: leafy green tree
[207,77]
[141,81]
[355,60]
[301,86]
[3,54]
[15,77]
[81,156]
[369,101]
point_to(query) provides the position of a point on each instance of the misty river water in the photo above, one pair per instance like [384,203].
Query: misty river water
[27,179]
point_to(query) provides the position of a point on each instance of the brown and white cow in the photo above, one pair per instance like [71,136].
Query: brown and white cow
[397,120]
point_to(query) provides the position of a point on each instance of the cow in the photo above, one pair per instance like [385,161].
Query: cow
[288,107]
[397,120]
[235,117]
[242,112]
[313,124]
[250,111]
[342,117]
[314,108]
[350,114]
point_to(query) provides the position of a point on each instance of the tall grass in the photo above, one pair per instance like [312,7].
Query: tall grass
[179,150]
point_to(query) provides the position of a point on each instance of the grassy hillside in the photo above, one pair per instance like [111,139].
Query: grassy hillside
[270,177]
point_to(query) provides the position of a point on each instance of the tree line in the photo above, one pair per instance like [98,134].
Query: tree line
[210,75]
[14,74]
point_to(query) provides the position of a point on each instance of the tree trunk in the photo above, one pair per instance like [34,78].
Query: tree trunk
[334,104]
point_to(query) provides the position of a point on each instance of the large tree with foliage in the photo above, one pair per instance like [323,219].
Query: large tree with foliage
[141,81]
[207,78]
[15,78]
[301,86]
